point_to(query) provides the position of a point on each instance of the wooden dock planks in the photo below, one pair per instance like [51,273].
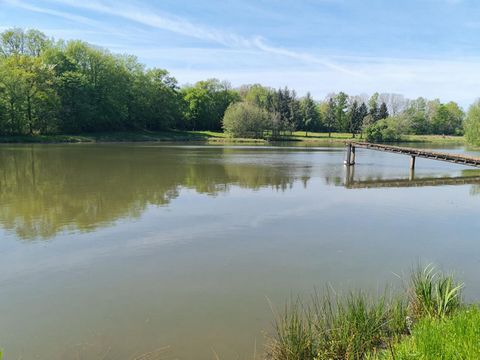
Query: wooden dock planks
[427,154]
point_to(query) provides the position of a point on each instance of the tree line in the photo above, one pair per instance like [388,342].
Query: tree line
[49,87]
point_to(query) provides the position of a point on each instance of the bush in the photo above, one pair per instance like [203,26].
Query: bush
[245,120]
[386,130]
[472,124]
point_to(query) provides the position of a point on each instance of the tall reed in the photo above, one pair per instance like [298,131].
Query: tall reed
[433,293]
[353,326]
[331,326]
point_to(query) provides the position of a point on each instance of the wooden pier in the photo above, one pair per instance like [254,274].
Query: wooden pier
[412,152]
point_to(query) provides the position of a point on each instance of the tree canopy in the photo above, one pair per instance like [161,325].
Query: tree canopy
[472,124]
[49,86]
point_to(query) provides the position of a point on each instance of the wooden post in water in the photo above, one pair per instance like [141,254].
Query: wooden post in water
[353,156]
[348,160]
[412,163]
[349,175]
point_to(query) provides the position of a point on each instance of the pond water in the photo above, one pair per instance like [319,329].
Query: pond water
[109,251]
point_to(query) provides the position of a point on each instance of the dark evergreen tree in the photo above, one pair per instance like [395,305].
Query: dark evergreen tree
[355,116]
[310,116]
[383,111]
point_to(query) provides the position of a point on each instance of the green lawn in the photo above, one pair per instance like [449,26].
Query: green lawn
[456,337]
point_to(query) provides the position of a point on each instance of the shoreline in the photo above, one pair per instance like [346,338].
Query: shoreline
[208,137]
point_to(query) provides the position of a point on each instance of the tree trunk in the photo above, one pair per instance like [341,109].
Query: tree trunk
[29,115]
[12,115]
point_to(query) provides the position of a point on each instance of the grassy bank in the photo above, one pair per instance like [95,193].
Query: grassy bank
[127,136]
[456,337]
[336,137]
[427,320]
[210,137]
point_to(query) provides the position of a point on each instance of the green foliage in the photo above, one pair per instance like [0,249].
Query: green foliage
[434,294]
[329,117]
[356,326]
[385,130]
[295,337]
[472,124]
[341,107]
[383,111]
[336,327]
[373,107]
[433,117]
[457,337]
[245,120]
[206,103]
[49,87]
[258,95]
[416,113]
[286,111]
[356,117]
[310,115]
[26,95]
[447,119]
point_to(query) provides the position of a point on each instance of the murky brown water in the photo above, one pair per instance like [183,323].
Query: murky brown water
[110,251]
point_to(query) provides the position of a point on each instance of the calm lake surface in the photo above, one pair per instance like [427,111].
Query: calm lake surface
[110,251]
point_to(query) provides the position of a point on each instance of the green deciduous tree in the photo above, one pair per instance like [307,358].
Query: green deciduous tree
[246,120]
[49,86]
[472,124]
[447,119]
[416,115]
[341,106]
[330,116]
[206,102]
[29,100]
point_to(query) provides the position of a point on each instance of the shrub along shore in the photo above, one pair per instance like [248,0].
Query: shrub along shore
[430,321]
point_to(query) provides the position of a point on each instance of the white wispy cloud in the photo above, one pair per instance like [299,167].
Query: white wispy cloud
[252,59]
[72,17]
[183,27]
[411,77]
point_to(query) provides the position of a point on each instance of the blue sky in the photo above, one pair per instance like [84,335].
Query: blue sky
[414,47]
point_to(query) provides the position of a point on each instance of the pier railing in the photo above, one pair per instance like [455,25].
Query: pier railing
[412,152]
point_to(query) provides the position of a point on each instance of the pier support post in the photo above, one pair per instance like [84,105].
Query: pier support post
[350,160]
[412,163]
[349,155]
[349,175]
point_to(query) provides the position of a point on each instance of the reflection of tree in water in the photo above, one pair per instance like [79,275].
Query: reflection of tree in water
[475,190]
[48,189]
